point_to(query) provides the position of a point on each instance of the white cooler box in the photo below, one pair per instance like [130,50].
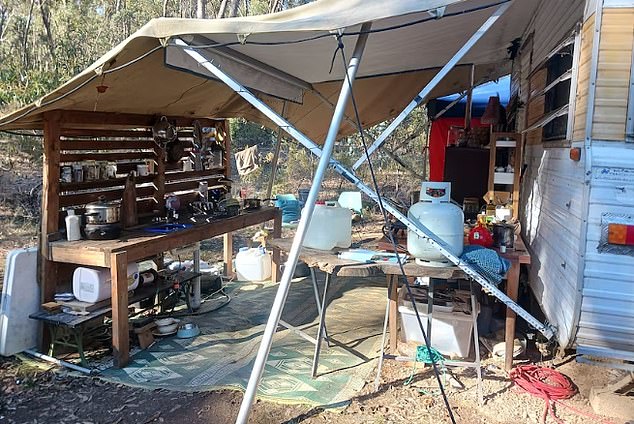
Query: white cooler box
[451,332]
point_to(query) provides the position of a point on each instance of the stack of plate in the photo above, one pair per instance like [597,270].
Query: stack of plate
[165,326]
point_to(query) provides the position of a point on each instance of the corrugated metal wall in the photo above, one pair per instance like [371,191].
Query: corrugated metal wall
[552,186]
[551,220]
[606,323]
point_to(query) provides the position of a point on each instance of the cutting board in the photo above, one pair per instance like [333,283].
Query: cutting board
[128,203]
[20,298]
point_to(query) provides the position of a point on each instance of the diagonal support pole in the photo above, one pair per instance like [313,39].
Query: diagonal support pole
[293,255]
[424,93]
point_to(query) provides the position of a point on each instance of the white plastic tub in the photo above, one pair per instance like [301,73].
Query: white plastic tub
[93,285]
[451,332]
[253,264]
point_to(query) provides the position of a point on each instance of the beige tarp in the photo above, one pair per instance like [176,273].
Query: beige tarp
[406,50]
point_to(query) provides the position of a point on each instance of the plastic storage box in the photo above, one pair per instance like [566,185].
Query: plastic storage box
[451,332]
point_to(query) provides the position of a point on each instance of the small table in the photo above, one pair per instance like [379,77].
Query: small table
[69,329]
[329,262]
[137,245]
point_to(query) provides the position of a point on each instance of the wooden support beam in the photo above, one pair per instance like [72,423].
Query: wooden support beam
[119,289]
[50,203]
[227,254]
[95,120]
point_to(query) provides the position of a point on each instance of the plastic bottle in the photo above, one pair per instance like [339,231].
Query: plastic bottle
[72,226]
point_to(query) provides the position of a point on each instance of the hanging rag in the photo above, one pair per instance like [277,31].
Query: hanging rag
[247,160]
[487,262]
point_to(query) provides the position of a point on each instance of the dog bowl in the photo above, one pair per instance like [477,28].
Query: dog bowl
[187,331]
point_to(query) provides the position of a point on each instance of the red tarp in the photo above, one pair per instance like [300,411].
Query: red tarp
[438,143]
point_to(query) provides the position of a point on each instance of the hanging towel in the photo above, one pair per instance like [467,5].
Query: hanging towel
[487,262]
[247,160]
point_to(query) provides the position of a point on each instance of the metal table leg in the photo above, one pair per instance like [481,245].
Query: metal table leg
[476,342]
[313,277]
[377,380]
[322,323]
[430,308]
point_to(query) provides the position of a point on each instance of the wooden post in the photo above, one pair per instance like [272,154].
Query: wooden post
[512,288]
[119,290]
[517,168]
[50,203]
[227,239]
[227,245]
[48,270]
[277,233]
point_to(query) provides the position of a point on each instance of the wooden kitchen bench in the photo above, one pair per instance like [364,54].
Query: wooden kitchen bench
[137,245]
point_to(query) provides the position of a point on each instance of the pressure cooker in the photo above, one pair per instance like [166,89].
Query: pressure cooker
[103,212]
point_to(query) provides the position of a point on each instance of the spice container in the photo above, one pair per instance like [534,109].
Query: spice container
[66,174]
[78,173]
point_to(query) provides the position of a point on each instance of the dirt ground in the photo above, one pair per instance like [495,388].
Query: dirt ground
[33,394]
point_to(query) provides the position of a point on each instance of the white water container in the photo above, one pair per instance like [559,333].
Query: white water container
[253,264]
[330,227]
[93,285]
[72,226]
[438,214]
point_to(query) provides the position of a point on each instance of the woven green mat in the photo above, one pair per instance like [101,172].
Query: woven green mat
[222,355]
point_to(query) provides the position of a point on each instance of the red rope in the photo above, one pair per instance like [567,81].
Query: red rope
[550,385]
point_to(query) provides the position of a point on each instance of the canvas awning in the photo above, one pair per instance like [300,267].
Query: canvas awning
[288,55]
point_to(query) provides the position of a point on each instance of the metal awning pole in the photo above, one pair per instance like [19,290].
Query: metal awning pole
[420,97]
[293,255]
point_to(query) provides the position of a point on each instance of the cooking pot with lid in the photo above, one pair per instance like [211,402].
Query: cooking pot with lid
[102,212]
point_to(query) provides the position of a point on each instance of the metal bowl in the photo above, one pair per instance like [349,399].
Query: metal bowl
[187,330]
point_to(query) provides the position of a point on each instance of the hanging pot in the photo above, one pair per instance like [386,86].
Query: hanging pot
[163,132]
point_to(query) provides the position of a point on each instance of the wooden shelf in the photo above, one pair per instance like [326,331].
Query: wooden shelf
[512,141]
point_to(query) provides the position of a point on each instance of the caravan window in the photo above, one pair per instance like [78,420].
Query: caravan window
[558,75]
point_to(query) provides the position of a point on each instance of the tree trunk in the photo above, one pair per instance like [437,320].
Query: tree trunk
[25,41]
[222,9]
[165,7]
[233,9]
[200,9]
[46,20]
